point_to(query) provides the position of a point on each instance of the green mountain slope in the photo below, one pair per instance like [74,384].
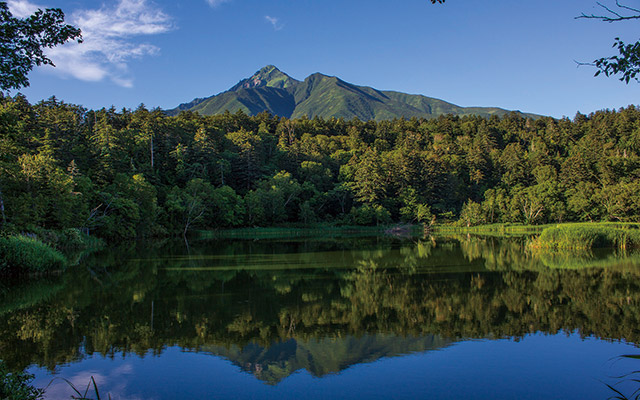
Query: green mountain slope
[270,89]
[252,101]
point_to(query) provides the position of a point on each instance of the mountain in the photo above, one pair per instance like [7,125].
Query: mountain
[270,89]
[321,356]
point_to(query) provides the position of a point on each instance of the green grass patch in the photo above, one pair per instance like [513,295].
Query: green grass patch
[289,232]
[22,254]
[583,236]
[492,229]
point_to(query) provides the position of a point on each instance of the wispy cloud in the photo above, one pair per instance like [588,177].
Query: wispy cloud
[116,383]
[108,39]
[216,3]
[21,8]
[275,22]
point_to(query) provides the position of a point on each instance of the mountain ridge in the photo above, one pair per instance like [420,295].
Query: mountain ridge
[272,90]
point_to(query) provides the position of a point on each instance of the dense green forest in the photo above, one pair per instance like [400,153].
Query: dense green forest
[126,174]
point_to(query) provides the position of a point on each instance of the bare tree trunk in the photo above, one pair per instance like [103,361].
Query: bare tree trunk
[190,218]
[151,151]
[249,170]
[4,218]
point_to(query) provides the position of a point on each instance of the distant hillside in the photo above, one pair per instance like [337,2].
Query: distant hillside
[272,90]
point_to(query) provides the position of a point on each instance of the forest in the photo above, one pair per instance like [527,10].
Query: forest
[139,173]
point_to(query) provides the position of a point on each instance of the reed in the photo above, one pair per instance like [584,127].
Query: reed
[583,236]
[491,229]
[85,395]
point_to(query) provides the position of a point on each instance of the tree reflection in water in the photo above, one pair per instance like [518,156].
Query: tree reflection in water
[275,307]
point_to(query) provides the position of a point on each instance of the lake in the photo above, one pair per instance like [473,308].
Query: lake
[345,317]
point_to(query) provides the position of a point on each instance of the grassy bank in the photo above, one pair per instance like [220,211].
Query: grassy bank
[42,250]
[317,231]
[345,231]
[24,254]
[581,236]
[492,229]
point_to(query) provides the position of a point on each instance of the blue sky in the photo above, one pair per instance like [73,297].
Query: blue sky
[513,54]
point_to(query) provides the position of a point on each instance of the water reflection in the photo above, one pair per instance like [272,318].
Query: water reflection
[275,307]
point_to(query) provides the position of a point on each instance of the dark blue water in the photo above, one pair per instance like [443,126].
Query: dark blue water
[537,367]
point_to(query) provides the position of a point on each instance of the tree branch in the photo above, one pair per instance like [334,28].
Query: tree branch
[615,16]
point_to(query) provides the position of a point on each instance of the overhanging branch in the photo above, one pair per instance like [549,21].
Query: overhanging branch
[615,16]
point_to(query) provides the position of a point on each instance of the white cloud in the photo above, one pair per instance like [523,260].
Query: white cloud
[275,22]
[21,8]
[116,383]
[108,39]
[60,389]
[216,3]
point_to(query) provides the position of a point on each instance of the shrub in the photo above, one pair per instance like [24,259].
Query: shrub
[370,215]
[16,386]
[67,239]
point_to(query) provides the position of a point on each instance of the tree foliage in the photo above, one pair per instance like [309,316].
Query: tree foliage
[627,62]
[22,42]
[63,166]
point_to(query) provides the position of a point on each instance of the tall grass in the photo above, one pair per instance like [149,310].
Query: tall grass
[23,254]
[492,229]
[582,236]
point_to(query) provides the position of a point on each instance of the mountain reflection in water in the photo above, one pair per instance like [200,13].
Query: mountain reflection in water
[275,307]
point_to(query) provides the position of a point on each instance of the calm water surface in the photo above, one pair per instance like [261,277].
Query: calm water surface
[438,318]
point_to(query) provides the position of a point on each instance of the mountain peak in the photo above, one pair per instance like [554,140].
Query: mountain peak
[269,76]
[270,89]
[267,69]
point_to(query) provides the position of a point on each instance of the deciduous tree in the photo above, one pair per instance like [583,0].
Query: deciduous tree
[22,42]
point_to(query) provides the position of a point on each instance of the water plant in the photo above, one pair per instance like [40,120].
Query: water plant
[633,376]
[84,395]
